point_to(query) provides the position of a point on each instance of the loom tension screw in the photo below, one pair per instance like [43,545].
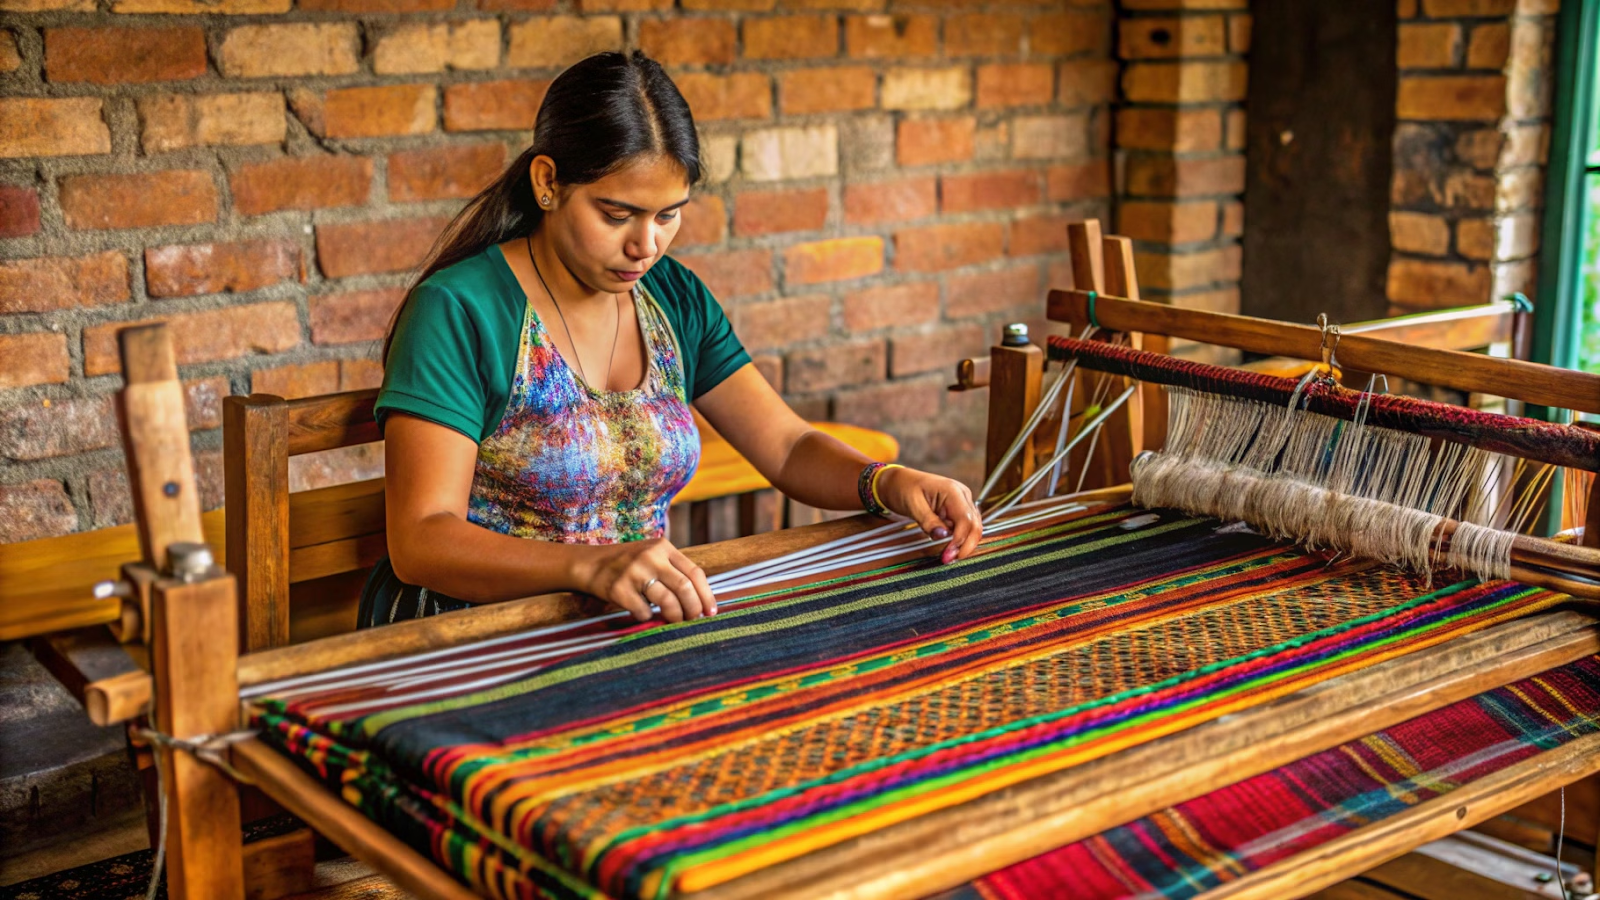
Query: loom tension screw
[1015,335]
[190,561]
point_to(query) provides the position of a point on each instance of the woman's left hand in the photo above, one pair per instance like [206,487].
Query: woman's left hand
[941,507]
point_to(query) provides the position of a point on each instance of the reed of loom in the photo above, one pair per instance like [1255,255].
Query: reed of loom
[928,854]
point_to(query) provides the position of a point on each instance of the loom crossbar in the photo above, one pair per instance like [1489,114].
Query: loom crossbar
[1518,380]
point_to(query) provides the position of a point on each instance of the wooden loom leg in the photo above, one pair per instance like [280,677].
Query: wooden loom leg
[1015,374]
[255,462]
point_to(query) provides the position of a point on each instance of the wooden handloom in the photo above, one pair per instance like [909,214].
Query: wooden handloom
[196,692]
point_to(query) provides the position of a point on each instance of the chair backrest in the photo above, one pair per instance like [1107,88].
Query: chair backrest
[309,550]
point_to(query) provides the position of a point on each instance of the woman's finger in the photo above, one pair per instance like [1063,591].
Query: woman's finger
[697,576]
[922,513]
[683,591]
[664,597]
[631,600]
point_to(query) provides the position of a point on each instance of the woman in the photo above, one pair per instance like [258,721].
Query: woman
[539,375]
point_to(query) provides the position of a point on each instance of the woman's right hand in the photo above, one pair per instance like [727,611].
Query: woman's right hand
[635,574]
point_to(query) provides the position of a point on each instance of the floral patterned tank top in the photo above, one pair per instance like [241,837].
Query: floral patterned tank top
[569,463]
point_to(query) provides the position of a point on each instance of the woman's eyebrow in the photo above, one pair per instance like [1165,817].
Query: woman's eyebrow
[639,209]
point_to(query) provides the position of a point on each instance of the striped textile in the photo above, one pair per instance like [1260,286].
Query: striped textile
[1190,848]
[680,757]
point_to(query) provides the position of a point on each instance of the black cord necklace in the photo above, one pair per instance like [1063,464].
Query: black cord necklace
[616,330]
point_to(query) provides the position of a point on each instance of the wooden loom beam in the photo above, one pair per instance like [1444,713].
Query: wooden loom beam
[1516,379]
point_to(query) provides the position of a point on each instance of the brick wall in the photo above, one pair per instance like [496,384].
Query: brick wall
[889,183]
[1470,150]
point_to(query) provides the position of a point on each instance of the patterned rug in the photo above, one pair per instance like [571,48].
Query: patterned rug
[680,757]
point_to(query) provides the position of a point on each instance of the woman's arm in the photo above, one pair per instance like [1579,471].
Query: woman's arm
[821,471]
[428,478]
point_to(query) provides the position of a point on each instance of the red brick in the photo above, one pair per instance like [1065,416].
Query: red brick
[1163,222]
[1172,130]
[912,303]
[983,34]
[123,55]
[440,173]
[935,351]
[742,95]
[990,292]
[900,200]
[891,37]
[593,6]
[379,111]
[788,320]
[360,374]
[771,368]
[688,41]
[300,182]
[1462,98]
[1070,33]
[19,211]
[838,364]
[35,509]
[1432,284]
[1187,271]
[65,282]
[1452,9]
[838,259]
[294,382]
[791,37]
[1165,37]
[1233,219]
[516,5]
[770,212]
[1087,83]
[1015,84]
[204,336]
[1433,45]
[1164,176]
[705,221]
[354,316]
[176,197]
[291,49]
[559,41]
[1490,46]
[947,87]
[1187,81]
[1241,29]
[493,105]
[925,142]
[1033,235]
[1411,232]
[933,248]
[179,121]
[381,245]
[988,190]
[1236,130]
[890,402]
[733,273]
[39,126]
[113,500]
[181,271]
[36,358]
[47,429]
[434,47]
[376,6]
[834,89]
[202,402]
[10,55]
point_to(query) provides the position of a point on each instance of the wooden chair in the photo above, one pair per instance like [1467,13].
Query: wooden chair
[310,551]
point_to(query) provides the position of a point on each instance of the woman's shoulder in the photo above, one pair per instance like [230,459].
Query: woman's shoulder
[475,278]
[678,289]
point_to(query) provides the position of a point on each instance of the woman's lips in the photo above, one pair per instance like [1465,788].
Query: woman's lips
[627,276]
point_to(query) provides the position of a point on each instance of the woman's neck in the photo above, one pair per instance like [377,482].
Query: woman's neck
[568,289]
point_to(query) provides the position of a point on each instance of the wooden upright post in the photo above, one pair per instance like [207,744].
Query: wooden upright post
[191,621]
[1016,368]
[255,465]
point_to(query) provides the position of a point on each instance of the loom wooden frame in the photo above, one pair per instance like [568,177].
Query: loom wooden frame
[942,849]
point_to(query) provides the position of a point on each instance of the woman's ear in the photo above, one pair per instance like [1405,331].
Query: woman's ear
[542,172]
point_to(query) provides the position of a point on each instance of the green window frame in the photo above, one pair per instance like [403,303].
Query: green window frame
[1565,305]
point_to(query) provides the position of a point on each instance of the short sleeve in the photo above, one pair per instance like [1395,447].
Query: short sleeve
[432,370]
[720,353]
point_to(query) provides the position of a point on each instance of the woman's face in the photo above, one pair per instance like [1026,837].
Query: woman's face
[609,233]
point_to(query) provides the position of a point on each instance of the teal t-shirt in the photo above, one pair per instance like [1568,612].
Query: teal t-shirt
[455,346]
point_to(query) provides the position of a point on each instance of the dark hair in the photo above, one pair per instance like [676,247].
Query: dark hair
[597,117]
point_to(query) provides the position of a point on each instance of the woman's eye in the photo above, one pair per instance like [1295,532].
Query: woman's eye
[667,217]
[618,218]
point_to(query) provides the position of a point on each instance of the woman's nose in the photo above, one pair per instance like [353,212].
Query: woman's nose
[644,242]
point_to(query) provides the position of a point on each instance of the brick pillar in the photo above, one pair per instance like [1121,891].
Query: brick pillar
[1180,141]
[1470,146]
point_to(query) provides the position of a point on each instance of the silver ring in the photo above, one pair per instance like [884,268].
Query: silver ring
[646,588]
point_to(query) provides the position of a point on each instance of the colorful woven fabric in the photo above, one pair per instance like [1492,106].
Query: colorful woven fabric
[1224,835]
[683,756]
